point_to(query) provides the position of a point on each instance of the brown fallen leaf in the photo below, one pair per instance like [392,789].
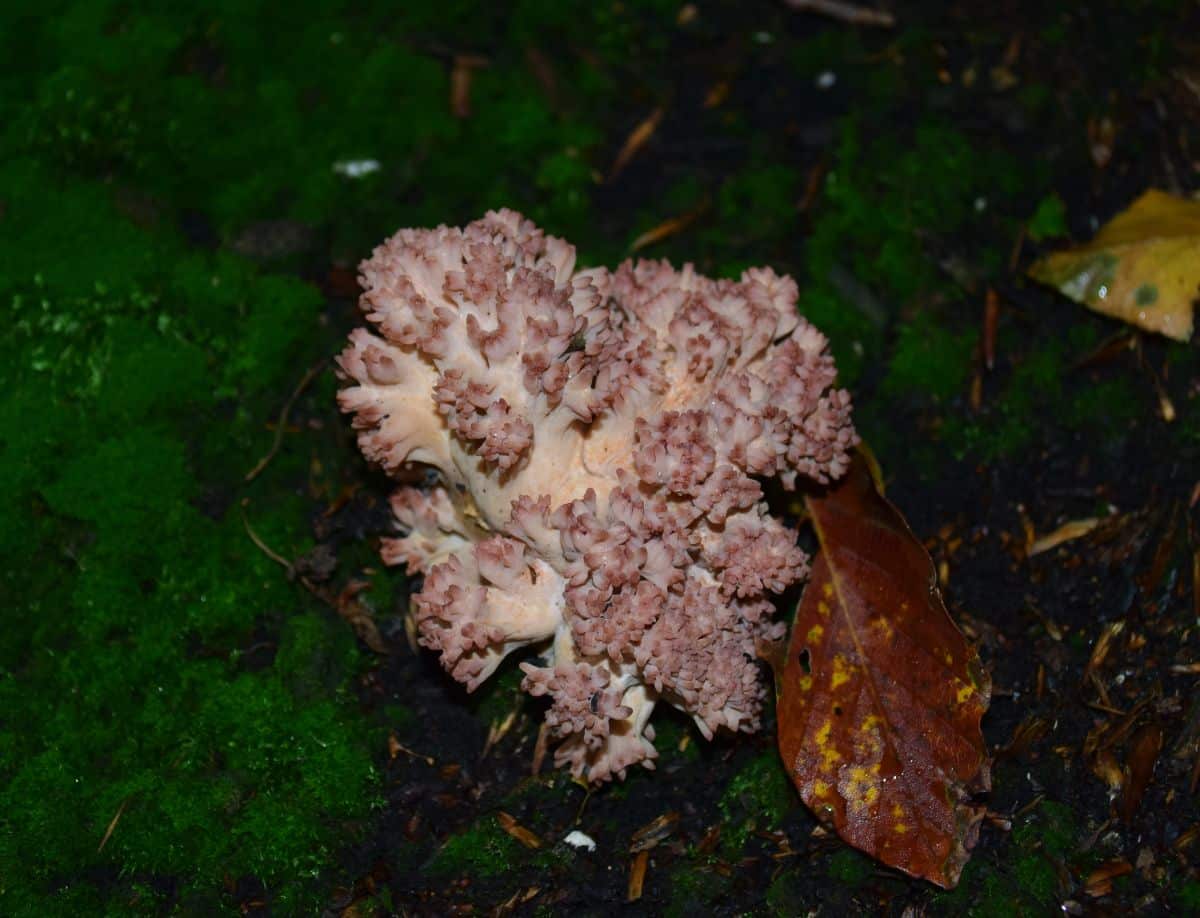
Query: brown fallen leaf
[1030,731]
[1143,267]
[1099,881]
[1144,747]
[881,695]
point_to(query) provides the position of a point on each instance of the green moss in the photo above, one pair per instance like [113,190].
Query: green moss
[1024,880]
[850,868]
[1187,898]
[1051,825]
[483,850]
[1107,405]
[757,797]
[1042,392]
[877,195]
[877,222]
[693,890]
[1049,220]
[785,895]
[671,730]
[123,670]
[1010,420]
[930,359]
[759,200]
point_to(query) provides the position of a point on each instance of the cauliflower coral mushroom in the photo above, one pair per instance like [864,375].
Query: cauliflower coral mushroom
[599,440]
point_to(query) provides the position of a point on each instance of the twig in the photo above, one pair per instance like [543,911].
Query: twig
[540,747]
[265,548]
[112,826]
[637,139]
[395,747]
[849,13]
[669,227]
[344,604]
[283,416]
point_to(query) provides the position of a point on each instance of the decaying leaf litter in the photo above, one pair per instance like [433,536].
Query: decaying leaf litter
[1087,640]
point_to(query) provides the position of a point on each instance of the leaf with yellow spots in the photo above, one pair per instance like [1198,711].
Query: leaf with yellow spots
[880,696]
[1143,267]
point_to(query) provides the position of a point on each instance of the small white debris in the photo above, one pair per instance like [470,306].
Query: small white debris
[578,840]
[980,204]
[826,79]
[356,168]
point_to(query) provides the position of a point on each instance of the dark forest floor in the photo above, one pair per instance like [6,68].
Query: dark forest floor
[208,702]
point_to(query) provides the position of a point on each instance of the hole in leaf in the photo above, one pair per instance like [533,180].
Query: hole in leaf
[805,661]
[837,710]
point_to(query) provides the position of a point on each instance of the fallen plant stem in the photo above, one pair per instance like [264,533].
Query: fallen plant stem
[395,747]
[850,13]
[344,604]
[637,139]
[265,548]
[510,825]
[637,876]
[281,422]
[1067,532]
[669,227]
[112,826]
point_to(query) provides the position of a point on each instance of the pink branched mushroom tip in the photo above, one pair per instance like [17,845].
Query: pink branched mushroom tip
[601,439]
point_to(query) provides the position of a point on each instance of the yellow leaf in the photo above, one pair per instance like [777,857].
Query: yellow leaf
[1143,267]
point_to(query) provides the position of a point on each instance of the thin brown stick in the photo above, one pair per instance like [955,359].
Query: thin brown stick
[264,547]
[344,604]
[112,826]
[281,423]
[850,13]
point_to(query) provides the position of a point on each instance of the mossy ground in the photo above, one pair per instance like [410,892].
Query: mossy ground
[184,191]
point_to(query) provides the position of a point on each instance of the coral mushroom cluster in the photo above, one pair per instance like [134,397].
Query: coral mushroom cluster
[599,440]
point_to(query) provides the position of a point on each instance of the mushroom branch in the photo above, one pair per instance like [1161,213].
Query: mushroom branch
[600,440]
